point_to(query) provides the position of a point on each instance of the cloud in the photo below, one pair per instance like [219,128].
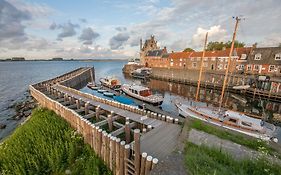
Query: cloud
[11,22]
[121,29]
[83,20]
[118,41]
[215,33]
[88,35]
[67,29]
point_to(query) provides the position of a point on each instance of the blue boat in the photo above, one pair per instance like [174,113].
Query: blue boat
[123,100]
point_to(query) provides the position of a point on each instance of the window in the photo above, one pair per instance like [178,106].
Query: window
[205,59]
[256,67]
[180,65]
[232,120]
[271,68]
[220,66]
[225,66]
[241,67]
[243,56]
[181,59]
[205,64]
[171,64]
[246,124]
[194,64]
[220,59]
[258,56]
[198,58]
[249,67]
[192,59]
[278,56]
[213,59]
[172,60]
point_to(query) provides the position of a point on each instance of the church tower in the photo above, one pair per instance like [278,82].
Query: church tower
[150,44]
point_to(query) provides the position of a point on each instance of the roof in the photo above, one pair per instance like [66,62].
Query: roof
[218,53]
[267,55]
[138,87]
[155,53]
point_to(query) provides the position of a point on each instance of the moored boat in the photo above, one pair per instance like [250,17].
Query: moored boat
[142,93]
[92,85]
[232,120]
[108,94]
[102,90]
[110,82]
[142,73]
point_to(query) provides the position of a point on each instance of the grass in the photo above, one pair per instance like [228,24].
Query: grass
[47,145]
[252,143]
[202,160]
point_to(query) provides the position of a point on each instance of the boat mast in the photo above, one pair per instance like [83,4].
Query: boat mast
[229,60]
[201,68]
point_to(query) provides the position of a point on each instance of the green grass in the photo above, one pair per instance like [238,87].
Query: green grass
[252,143]
[202,160]
[47,145]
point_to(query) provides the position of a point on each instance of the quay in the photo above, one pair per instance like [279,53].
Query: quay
[129,140]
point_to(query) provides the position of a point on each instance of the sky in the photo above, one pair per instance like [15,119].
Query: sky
[112,29]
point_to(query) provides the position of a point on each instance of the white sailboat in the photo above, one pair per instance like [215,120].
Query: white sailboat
[232,120]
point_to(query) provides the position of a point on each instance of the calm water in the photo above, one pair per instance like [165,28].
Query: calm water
[16,76]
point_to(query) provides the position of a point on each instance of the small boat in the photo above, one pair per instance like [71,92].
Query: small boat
[108,94]
[102,90]
[141,73]
[91,85]
[123,100]
[142,93]
[241,87]
[110,82]
[232,120]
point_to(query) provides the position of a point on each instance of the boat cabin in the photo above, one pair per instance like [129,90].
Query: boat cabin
[140,90]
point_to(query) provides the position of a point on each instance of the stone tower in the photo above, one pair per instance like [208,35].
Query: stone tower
[150,44]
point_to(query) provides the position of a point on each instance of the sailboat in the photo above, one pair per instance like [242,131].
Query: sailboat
[233,120]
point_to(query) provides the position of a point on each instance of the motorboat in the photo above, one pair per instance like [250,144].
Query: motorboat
[142,73]
[110,82]
[229,119]
[142,93]
[108,94]
[92,85]
[102,90]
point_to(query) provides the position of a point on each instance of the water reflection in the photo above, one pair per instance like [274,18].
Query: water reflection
[178,92]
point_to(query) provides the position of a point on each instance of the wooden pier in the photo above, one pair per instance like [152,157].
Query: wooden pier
[129,140]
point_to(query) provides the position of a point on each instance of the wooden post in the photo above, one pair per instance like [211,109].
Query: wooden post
[112,153]
[154,162]
[110,122]
[127,132]
[99,142]
[87,104]
[97,113]
[107,150]
[137,151]
[143,160]
[122,144]
[78,105]
[117,149]
[143,130]
[126,156]
[148,165]
[176,121]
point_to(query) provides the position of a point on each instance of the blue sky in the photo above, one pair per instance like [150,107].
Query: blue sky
[112,29]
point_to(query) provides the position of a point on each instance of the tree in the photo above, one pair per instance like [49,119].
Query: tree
[220,45]
[188,50]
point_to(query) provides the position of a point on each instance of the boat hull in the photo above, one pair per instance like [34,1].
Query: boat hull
[159,103]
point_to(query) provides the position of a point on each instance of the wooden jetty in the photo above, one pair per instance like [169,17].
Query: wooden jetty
[129,140]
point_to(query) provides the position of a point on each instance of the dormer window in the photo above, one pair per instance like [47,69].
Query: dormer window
[243,56]
[278,56]
[258,56]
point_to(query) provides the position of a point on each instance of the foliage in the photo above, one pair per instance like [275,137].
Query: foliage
[47,145]
[188,50]
[204,160]
[220,45]
[234,137]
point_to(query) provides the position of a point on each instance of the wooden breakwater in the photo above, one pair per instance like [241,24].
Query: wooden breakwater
[115,131]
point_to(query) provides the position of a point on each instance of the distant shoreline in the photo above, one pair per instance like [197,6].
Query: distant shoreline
[86,60]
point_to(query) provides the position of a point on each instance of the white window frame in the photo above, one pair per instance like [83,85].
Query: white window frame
[249,67]
[180,59]
[225,66]
[278,56]
[220,66]
[271,66]
[213,59]
[243,56]
[194,64]
[205,59]
[192,59]
[198,58]
[258,56]
[256,67]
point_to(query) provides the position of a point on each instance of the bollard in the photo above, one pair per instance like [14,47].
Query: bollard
[148,165]
[97,113]
[137,150]
[154,162]
[78,105]
[122,144]
[143,160]
[117,150]
[110,122]
[176,121]
[149,128]
[87,104]
[127,132]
